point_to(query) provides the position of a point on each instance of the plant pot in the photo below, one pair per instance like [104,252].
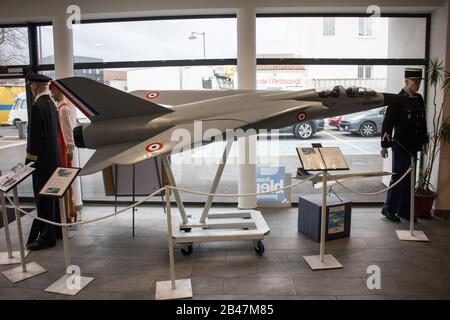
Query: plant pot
[423,204]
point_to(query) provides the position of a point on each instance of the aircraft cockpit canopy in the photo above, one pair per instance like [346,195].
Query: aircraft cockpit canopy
[349,92]
[358,91]
[335,93]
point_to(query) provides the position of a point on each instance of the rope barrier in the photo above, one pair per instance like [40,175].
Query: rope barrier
[85,221]
[370,193]
[245,194]
[203,194]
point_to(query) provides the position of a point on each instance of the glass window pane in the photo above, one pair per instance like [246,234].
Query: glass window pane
[13,103]
[361,153]
[14,46]
[305,37]
[163,78]
[155,40]
[45,45]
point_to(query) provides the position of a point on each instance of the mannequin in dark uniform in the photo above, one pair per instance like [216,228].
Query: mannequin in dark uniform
[408,121]
[42,148]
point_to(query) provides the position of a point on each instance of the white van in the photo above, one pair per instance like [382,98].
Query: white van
[19,110]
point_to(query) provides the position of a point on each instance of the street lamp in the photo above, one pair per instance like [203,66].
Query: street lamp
[193,36]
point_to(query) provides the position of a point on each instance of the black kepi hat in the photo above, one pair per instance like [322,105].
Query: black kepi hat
[35,77]
[413,73]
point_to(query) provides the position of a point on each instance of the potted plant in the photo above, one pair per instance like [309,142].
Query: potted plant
[439,133]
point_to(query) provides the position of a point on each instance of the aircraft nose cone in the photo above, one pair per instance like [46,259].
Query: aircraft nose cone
[391,99]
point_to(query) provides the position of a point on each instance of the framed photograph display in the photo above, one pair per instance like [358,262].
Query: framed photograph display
[16,175]
[59,182]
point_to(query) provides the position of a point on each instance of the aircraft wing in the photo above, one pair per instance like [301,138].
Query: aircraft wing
[176,138]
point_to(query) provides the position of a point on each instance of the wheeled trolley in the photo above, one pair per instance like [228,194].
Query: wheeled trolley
[220,226]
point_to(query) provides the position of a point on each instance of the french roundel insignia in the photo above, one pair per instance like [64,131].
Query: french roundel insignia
[152,95]
[301,116]
[153,147]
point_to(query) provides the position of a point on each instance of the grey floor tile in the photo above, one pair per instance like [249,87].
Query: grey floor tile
[258,286]
[224,269]
[329,285]
[122,283]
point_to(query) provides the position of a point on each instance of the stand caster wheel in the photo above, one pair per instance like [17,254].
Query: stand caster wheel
[259,248]
[187,249]
[185,229]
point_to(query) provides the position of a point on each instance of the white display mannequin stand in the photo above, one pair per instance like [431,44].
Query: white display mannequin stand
[172,289]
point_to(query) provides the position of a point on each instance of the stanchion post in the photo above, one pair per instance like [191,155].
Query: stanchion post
[411,197]
[411,234]
[6,227]
[324,216]
[65,233]
[173,289]
[323,261]
[19,231]
[170,236]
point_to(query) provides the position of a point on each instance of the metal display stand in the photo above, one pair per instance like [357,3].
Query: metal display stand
[314,160]
[220,226]
[10,256]
[133,190]
[62,286]
[25,270]
[411,234]
[172,289]
[323,261]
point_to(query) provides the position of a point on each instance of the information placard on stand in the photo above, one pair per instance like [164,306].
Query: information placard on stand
[57,186]
[8,182]
[322,159]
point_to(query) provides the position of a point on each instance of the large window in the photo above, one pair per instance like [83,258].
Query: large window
[156,40]
[190,53]
[309,37]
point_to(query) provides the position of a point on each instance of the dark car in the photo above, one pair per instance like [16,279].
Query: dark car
[305,130]
[367,123]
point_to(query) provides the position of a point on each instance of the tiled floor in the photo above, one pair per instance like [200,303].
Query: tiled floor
[128,268]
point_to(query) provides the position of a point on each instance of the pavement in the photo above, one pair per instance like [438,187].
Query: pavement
[362,154]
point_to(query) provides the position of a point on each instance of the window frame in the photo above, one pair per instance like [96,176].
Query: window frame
[5,71]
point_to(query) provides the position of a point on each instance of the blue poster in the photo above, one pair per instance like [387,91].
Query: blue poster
[270,178]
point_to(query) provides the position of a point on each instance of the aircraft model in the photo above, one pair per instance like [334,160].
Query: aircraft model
[127,128]
[341,177]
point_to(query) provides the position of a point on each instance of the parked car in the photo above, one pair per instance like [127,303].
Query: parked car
[335,121]
[367,123]
[18,110]
[305,130]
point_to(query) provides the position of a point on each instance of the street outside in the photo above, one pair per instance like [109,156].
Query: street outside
[362,154]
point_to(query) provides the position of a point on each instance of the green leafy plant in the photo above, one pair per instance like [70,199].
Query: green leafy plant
[439,133]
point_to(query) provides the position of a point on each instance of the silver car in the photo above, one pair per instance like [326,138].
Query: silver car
[366,123]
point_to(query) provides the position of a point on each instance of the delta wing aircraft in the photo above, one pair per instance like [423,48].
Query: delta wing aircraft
[127,128]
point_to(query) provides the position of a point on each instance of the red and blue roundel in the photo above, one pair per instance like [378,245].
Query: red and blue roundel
[152,95]
[153,147]
[301,116]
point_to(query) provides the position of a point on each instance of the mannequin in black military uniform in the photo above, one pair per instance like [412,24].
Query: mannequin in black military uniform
[408,121]
[42,148]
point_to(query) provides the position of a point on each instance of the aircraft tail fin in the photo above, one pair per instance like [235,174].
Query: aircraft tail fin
[101,102]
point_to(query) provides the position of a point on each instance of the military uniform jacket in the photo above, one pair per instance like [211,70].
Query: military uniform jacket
[408,122]
[42,143]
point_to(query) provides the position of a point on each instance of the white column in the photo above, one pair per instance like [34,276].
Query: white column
[63,47]
[246,67]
